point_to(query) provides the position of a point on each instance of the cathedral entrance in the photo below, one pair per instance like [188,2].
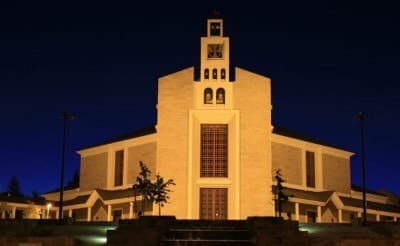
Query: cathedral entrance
[213,203]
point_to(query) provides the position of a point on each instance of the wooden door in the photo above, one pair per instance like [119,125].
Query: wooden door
[213,203]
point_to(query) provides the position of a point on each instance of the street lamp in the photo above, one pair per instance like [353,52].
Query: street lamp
[48,209]
[65,117]
[361,116]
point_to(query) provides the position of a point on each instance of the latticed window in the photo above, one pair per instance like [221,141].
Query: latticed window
[214,150]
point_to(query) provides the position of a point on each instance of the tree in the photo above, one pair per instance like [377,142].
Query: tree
[160,191]
[35,194]
[143,184]
[156,191]
[280,196]
[14,188]
[74,182]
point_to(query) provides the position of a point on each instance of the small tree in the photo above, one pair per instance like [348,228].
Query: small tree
[143,184]
[156,192]
[160,191]
[280,196]
[14,188]
[35,194]
[74,182]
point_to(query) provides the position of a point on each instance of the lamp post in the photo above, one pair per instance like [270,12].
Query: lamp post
[361,116]
[65,117]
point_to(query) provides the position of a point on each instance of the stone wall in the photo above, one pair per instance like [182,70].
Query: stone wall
[252,98]
[288,160]
[336,173]
[145,153]
[93,172]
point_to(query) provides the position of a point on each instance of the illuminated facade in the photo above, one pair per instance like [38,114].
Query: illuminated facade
[215,139]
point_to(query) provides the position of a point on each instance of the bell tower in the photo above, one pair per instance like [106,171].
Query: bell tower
[215,89]
[214,52]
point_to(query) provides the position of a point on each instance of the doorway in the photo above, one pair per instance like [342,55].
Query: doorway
[213,203]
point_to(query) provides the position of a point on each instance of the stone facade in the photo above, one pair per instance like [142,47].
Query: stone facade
[336,173]
[90,179]
[145,153]
[288,160]
[175,97]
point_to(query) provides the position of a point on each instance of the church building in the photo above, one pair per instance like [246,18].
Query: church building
[214,137]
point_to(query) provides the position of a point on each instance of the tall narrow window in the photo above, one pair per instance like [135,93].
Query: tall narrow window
[223,75]
[214,73]
[214,150]
[220,96]
[206,73]
[310,169]
[208,96]
[119,168]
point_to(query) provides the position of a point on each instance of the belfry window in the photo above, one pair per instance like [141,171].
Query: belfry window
[215,29]
[214,73]
[220,96]
[206,73]
[208,96]
[214,150]
[223,75]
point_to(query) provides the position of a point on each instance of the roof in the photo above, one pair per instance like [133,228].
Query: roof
[370,205]
[115,194]
[277,130]
[320,196]
[76,200]
[67,187]
[360,189]
[105,195]
[137,133]
[22,199]
[292,134]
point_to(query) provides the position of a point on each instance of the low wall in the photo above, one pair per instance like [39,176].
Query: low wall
[38,241]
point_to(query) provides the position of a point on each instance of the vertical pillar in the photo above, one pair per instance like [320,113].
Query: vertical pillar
[57,214]
[70,213]
[14,209]
[109,212]
[358,214]
[297,211]
[395,219]
[89,214]
[340,216]
[378,217]
[319,214]
[130,210]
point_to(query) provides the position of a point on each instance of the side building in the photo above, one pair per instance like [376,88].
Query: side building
[214,137]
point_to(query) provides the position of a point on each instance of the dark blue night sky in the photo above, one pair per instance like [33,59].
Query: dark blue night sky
[100,62]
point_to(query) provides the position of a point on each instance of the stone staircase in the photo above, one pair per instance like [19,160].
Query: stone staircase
[207,233]
[167,231]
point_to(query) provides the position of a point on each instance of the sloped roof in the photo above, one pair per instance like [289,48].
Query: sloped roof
[347,201]
[360,189]
[75,201]
[137,133]
[320,196]
[292,134]
[22,200]
[67,187]
[115,194]
[105,195]
[151,129]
